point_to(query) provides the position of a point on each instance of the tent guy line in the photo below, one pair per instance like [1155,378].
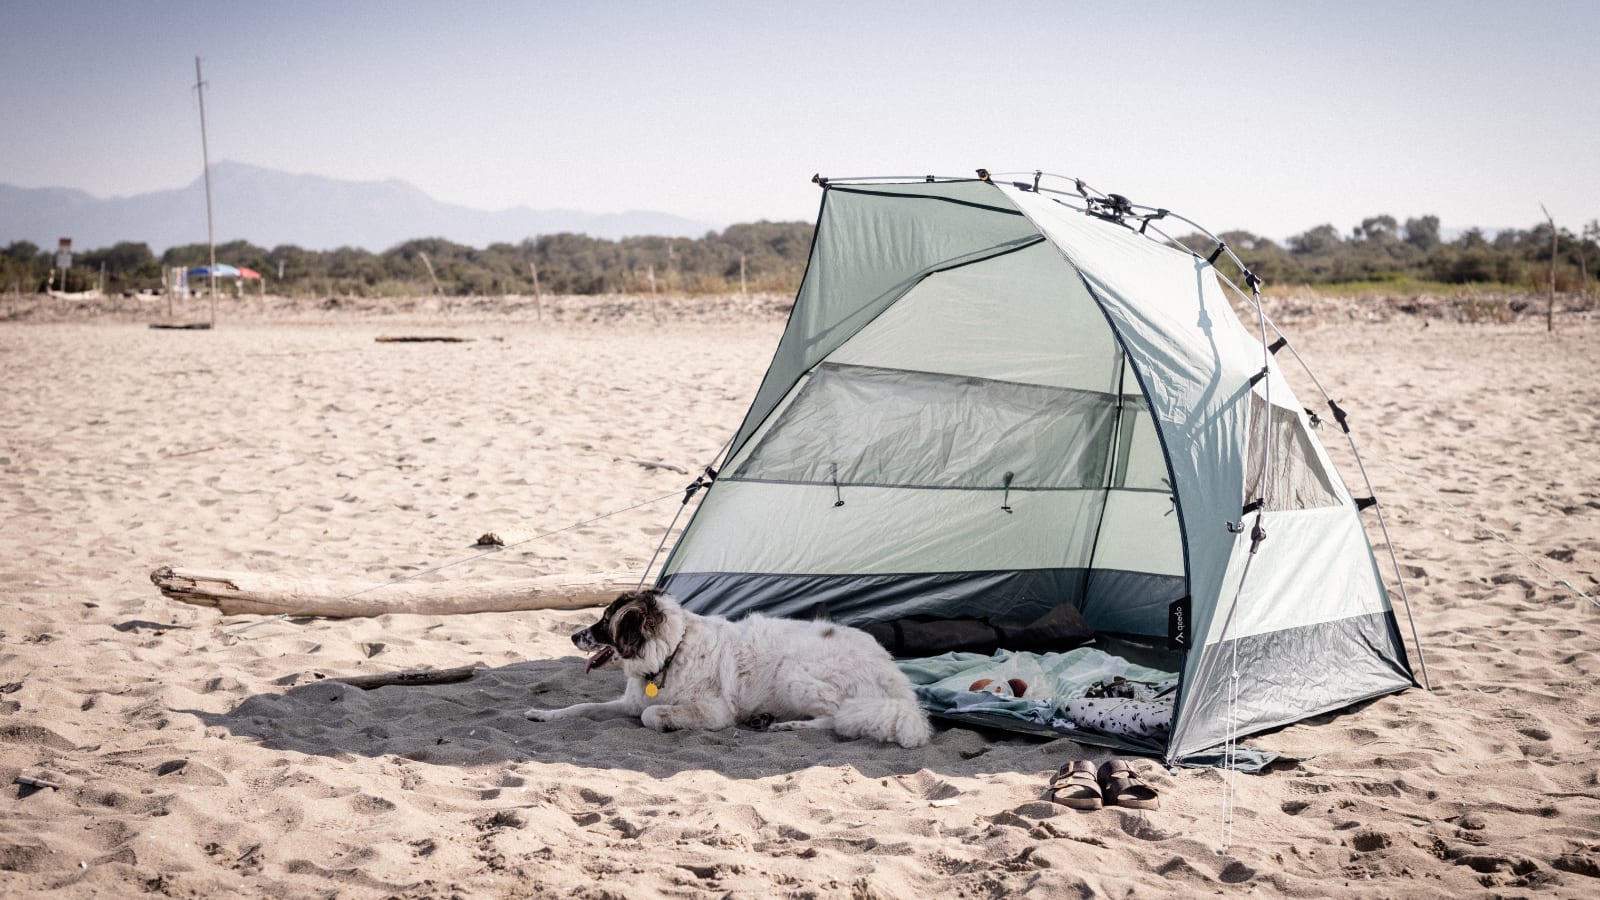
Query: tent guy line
[703,480]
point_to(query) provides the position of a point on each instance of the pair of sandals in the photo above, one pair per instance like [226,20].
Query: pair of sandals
[1080,784]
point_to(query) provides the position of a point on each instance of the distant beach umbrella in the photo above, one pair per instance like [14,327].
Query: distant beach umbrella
[223,271]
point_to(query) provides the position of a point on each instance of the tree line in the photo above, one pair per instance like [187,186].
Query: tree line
[771,256]
[1382,249]
[758,256]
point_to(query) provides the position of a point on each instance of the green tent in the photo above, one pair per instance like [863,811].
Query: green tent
[991,400]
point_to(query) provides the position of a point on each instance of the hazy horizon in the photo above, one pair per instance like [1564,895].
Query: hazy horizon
[1450,231]
[1247,115]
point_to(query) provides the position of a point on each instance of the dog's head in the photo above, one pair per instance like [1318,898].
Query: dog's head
[623,629]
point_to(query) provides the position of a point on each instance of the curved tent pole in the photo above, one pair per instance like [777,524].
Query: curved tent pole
[1361,466]
[1257,532]
[1355,450]
[1405,597]
[891,179]
[1383,525]
[1257,536]
[1084,190]
[1091,194]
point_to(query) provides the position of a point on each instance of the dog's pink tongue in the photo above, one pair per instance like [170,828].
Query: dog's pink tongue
[599,659]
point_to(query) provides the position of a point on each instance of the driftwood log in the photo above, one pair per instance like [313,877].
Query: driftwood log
[421,339]
[253,593]
[410,677]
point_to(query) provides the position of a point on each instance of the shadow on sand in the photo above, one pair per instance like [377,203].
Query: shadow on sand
[479,722]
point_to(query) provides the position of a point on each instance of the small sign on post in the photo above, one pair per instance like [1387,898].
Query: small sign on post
[64,254]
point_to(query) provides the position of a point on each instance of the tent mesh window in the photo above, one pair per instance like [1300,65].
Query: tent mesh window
[860,425]
[1297,479]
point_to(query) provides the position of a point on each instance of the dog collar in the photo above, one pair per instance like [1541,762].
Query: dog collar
[653,683]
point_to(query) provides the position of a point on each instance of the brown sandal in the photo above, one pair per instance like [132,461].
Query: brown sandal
[1122,786]
[1075,786]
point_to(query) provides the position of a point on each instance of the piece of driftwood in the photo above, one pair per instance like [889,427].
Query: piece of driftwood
[410,677]
[181,326]
[32,782]
[651,464]
[192,452]
[421,339]
[254,593]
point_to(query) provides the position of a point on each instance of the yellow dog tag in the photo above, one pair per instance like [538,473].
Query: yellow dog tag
[650,689]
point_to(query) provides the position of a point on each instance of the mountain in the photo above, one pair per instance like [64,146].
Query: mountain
[269,208]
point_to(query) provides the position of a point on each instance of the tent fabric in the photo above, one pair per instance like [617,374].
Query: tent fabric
[976,420]
[861,264]
[987,403]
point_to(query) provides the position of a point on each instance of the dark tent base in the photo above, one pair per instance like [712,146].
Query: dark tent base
[1250,760]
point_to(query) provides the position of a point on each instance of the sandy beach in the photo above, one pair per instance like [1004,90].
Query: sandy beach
[199,757]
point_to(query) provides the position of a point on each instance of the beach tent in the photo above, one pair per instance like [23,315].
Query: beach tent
[991,400]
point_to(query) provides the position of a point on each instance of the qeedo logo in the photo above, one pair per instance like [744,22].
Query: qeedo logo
[1178,624]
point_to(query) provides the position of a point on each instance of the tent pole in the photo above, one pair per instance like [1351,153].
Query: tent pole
[1257,536]
[1383,526]
[1394,559]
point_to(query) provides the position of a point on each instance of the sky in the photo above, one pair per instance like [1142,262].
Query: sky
[1272,117]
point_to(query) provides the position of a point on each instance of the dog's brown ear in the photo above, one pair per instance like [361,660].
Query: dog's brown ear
[653,616]
[628,630]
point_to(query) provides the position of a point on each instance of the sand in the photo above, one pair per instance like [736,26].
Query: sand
[198,759]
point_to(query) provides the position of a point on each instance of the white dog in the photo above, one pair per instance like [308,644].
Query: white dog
[691,671]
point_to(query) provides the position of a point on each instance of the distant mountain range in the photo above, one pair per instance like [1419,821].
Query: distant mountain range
[268,208]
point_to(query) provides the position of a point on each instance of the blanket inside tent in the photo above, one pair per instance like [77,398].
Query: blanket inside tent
[1083,688]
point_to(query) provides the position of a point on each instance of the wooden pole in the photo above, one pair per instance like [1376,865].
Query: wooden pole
[1590,231]
[742,290]
[256,593]
[205,156]
[432,277]
[650,275]
[538,295]
[1583,265]
[1550,305]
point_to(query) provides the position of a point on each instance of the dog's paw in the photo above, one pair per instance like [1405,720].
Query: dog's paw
[540,715]
[760,721]
[659,718]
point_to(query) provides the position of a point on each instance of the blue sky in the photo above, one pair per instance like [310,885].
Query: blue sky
[1273,117]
